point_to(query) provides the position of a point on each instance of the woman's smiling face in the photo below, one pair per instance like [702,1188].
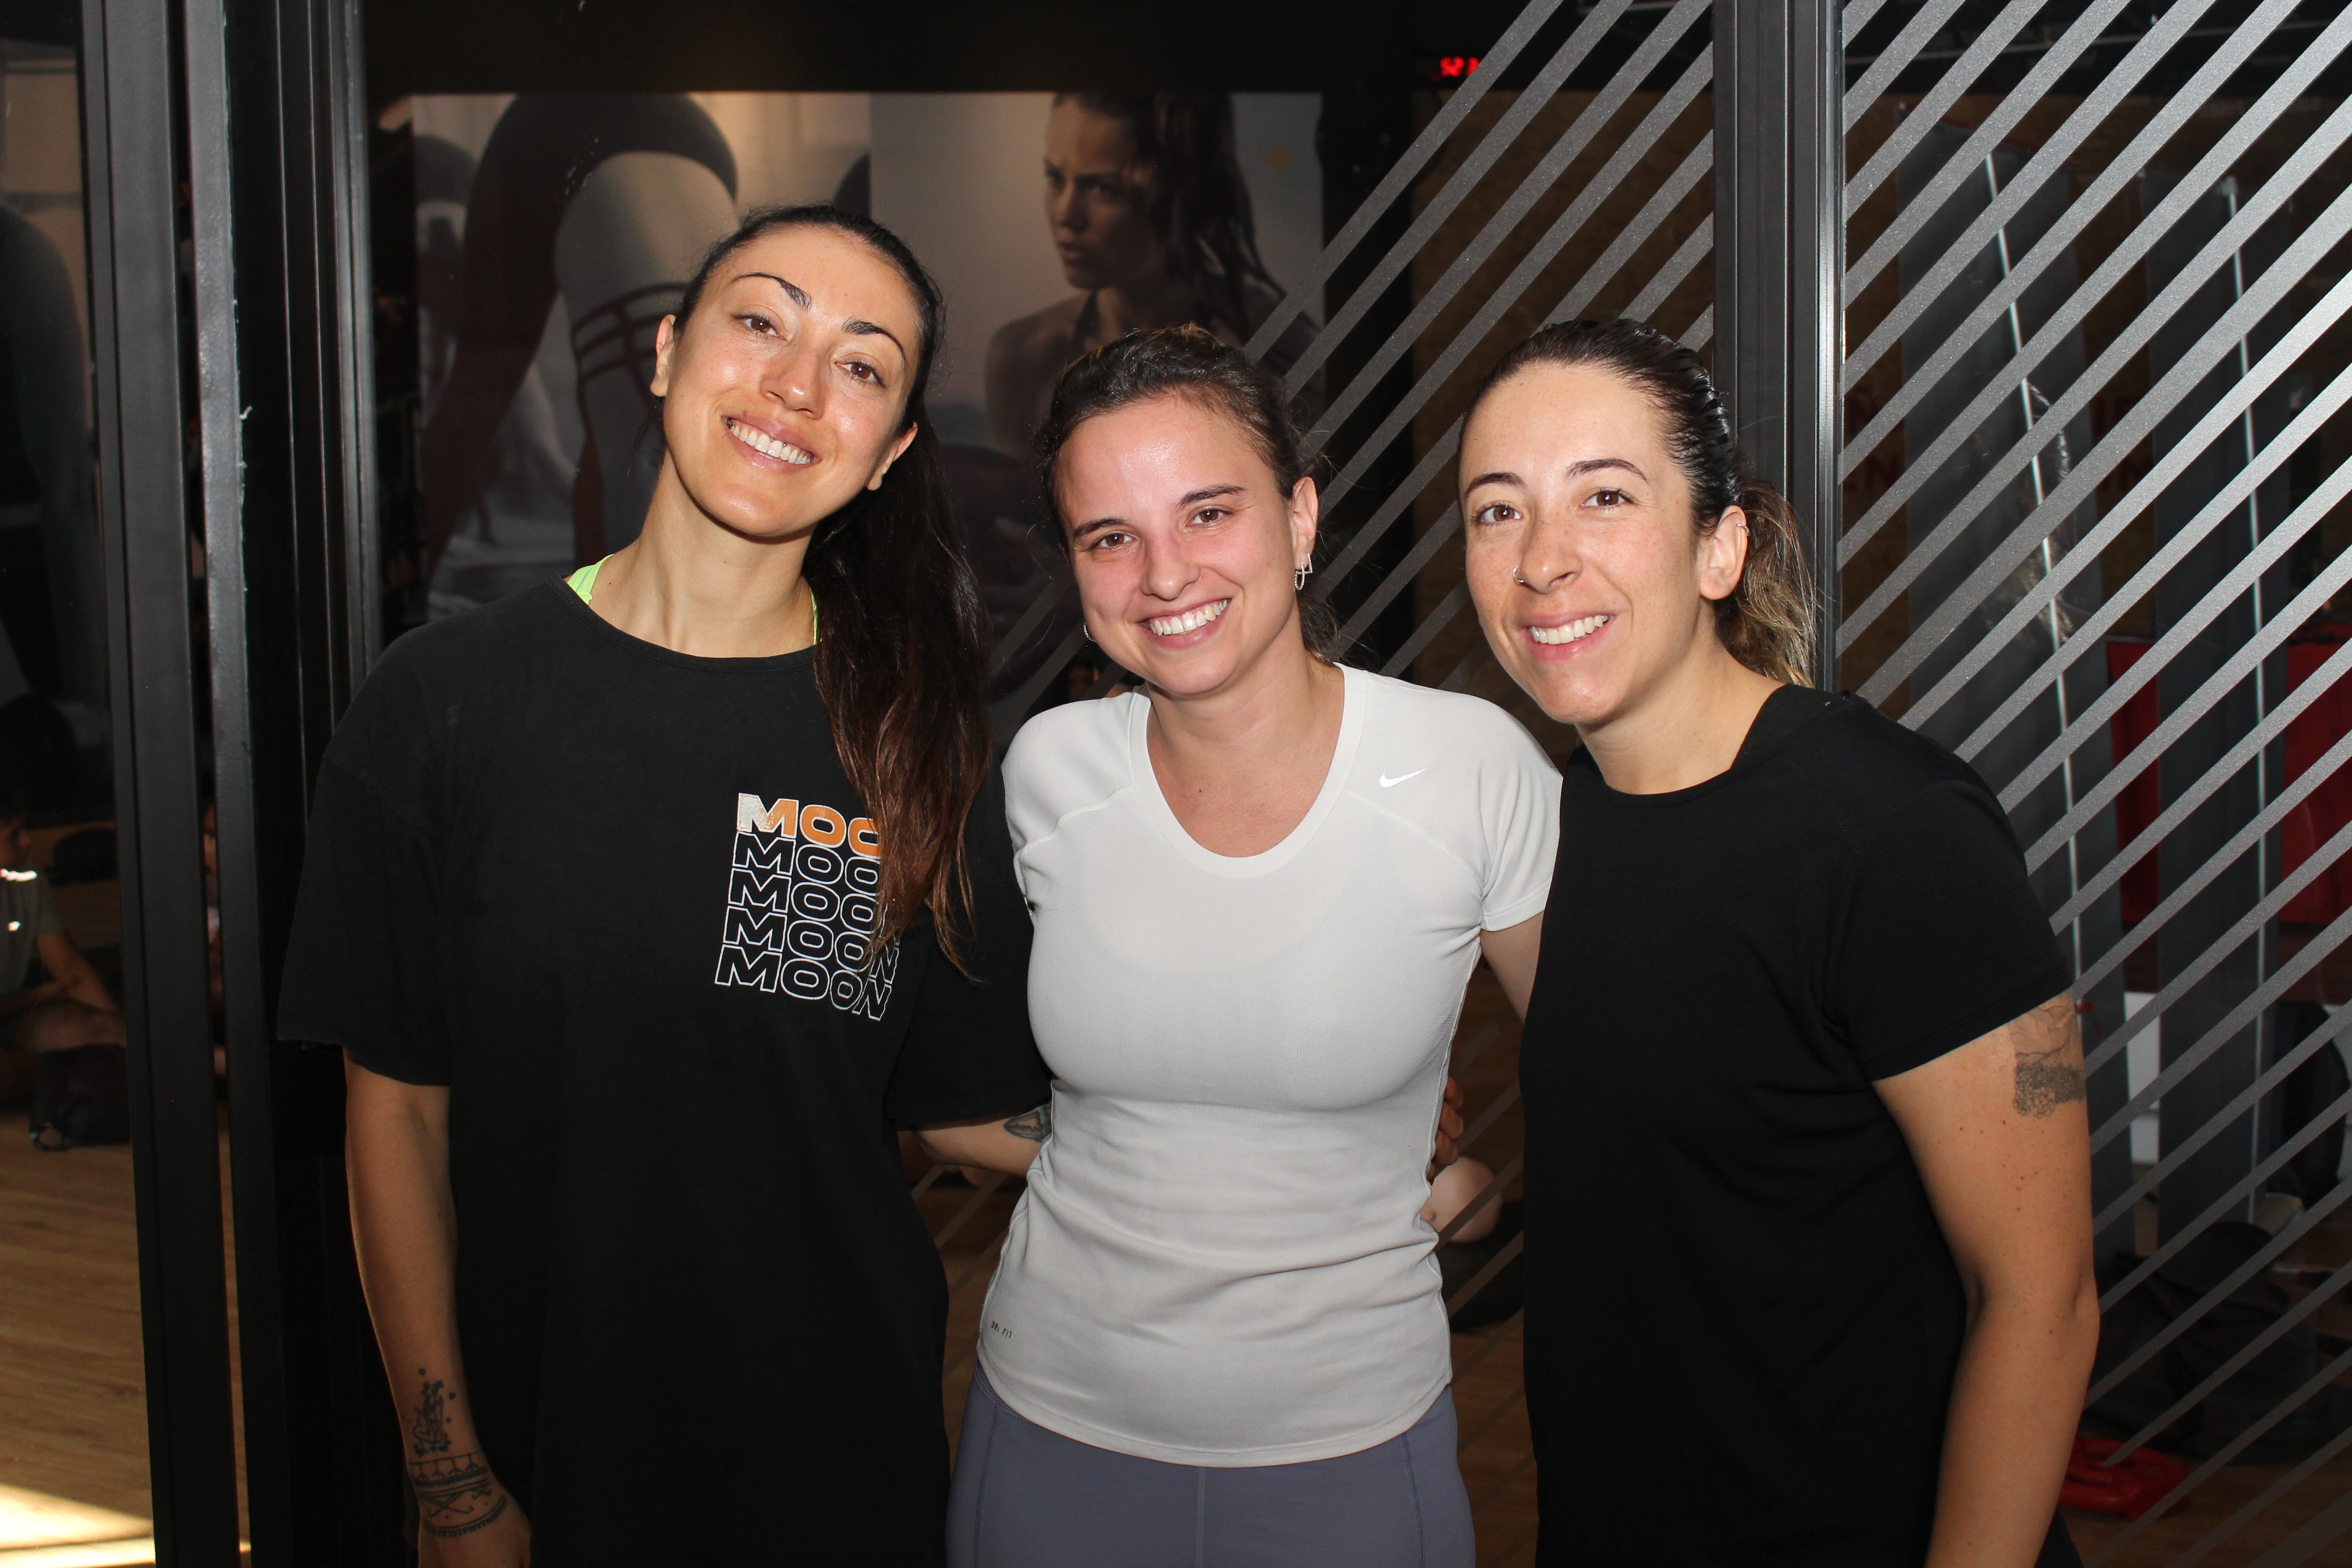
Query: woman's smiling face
[1590,580]
[787,393]
[1182,541]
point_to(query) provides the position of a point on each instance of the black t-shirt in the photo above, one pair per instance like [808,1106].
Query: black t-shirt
[611,896]
[1742,1320]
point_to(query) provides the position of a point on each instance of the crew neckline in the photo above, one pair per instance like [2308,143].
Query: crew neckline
[578,609]
[1778,719]
[1354,699]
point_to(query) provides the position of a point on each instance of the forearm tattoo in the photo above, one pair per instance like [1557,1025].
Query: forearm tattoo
[1034,1125]
[455,1494]
[2048,1058]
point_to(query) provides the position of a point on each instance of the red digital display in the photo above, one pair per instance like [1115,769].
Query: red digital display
[1454,67]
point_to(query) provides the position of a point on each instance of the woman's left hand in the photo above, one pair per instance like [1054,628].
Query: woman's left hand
[1444,1151]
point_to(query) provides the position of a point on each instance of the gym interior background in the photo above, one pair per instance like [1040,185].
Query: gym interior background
[2039,312]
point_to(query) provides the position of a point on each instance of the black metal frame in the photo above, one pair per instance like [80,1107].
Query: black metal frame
[257,332]
[1780,181]
[141,340]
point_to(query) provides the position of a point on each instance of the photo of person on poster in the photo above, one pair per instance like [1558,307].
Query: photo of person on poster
[1153,223]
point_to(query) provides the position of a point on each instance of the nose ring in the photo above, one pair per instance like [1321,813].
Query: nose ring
[1522,581]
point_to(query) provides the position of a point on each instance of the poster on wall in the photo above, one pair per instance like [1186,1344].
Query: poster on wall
[555,231]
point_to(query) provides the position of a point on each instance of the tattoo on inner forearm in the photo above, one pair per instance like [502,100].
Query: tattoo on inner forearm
[1033,1125]
[2052,1076]
[455,1494]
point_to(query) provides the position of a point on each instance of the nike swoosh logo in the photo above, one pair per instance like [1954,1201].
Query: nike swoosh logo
[1388,782]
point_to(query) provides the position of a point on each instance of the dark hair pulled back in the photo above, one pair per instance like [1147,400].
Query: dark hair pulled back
[1200,201]
[1212,374]
[902,663]
[1766,622]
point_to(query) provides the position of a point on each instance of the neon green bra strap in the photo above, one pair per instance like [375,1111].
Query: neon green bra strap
[584,583]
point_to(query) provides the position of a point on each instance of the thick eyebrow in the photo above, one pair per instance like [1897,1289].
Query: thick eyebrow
[1595,465]
[793,290]
[869,329]
[1097,526]
[1211,493]
[1575,470]
[799,297]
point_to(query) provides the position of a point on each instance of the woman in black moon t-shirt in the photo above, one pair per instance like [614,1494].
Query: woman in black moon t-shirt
[642,907]
[1808,1217]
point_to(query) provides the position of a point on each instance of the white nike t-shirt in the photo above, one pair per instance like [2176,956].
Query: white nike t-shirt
[1221,1258]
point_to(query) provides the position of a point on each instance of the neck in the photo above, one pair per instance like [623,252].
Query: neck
[695,587]
[1281,707]
[1687,731]
[1142,304]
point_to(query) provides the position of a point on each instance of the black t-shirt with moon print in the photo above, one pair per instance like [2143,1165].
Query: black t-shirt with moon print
[614,898]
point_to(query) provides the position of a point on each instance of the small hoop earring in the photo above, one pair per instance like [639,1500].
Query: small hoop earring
[1084,630]
[1298,578]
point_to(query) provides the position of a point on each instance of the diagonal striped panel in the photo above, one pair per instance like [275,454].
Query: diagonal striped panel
[2098,378]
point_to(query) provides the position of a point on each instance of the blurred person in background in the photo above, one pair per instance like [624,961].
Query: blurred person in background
[1151,217]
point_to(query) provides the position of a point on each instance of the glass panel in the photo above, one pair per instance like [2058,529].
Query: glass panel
[74,1468]
[2094,455]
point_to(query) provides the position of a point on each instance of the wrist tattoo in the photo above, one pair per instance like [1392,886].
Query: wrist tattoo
[456,1493]
[1033,1125]
[2052,1075]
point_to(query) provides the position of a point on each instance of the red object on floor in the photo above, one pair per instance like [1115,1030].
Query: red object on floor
[2308,736]
[2129,1488]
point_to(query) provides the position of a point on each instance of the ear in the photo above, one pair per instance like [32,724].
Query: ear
[1723,554]
[1306,519]
[898,449]
[664,341]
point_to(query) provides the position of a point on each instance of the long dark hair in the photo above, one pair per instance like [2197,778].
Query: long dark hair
[1200,202]
[1213,374]
[902,664]
[1766,622]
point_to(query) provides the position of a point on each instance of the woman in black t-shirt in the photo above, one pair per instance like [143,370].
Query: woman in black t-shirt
[1808,1216]
[642,907]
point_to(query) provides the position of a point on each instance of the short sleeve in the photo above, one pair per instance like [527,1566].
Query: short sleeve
[1944,941]
[1518,801]
[968,1052]
[362,967]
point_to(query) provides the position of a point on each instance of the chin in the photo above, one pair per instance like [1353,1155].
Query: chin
[1564,699]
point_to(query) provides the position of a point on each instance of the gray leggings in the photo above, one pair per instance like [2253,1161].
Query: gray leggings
[1024,1497]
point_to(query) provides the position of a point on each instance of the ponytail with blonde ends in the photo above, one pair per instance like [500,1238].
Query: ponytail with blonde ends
[1767,622]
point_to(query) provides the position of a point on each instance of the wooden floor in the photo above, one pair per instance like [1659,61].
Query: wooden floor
[73,1450]
[73,1407]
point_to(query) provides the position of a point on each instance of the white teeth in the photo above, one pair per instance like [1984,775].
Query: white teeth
[768,445]
[1552,636]
[1190,621]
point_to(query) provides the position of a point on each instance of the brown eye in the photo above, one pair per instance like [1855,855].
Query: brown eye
[1494,512]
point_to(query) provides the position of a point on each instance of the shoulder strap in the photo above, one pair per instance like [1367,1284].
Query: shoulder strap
[583,581]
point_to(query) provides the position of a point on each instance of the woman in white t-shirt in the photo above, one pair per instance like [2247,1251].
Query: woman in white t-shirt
[1217,1336]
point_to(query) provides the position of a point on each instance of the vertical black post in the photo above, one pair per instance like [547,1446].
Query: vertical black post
[277,163]
[1779,260]
[141,338]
